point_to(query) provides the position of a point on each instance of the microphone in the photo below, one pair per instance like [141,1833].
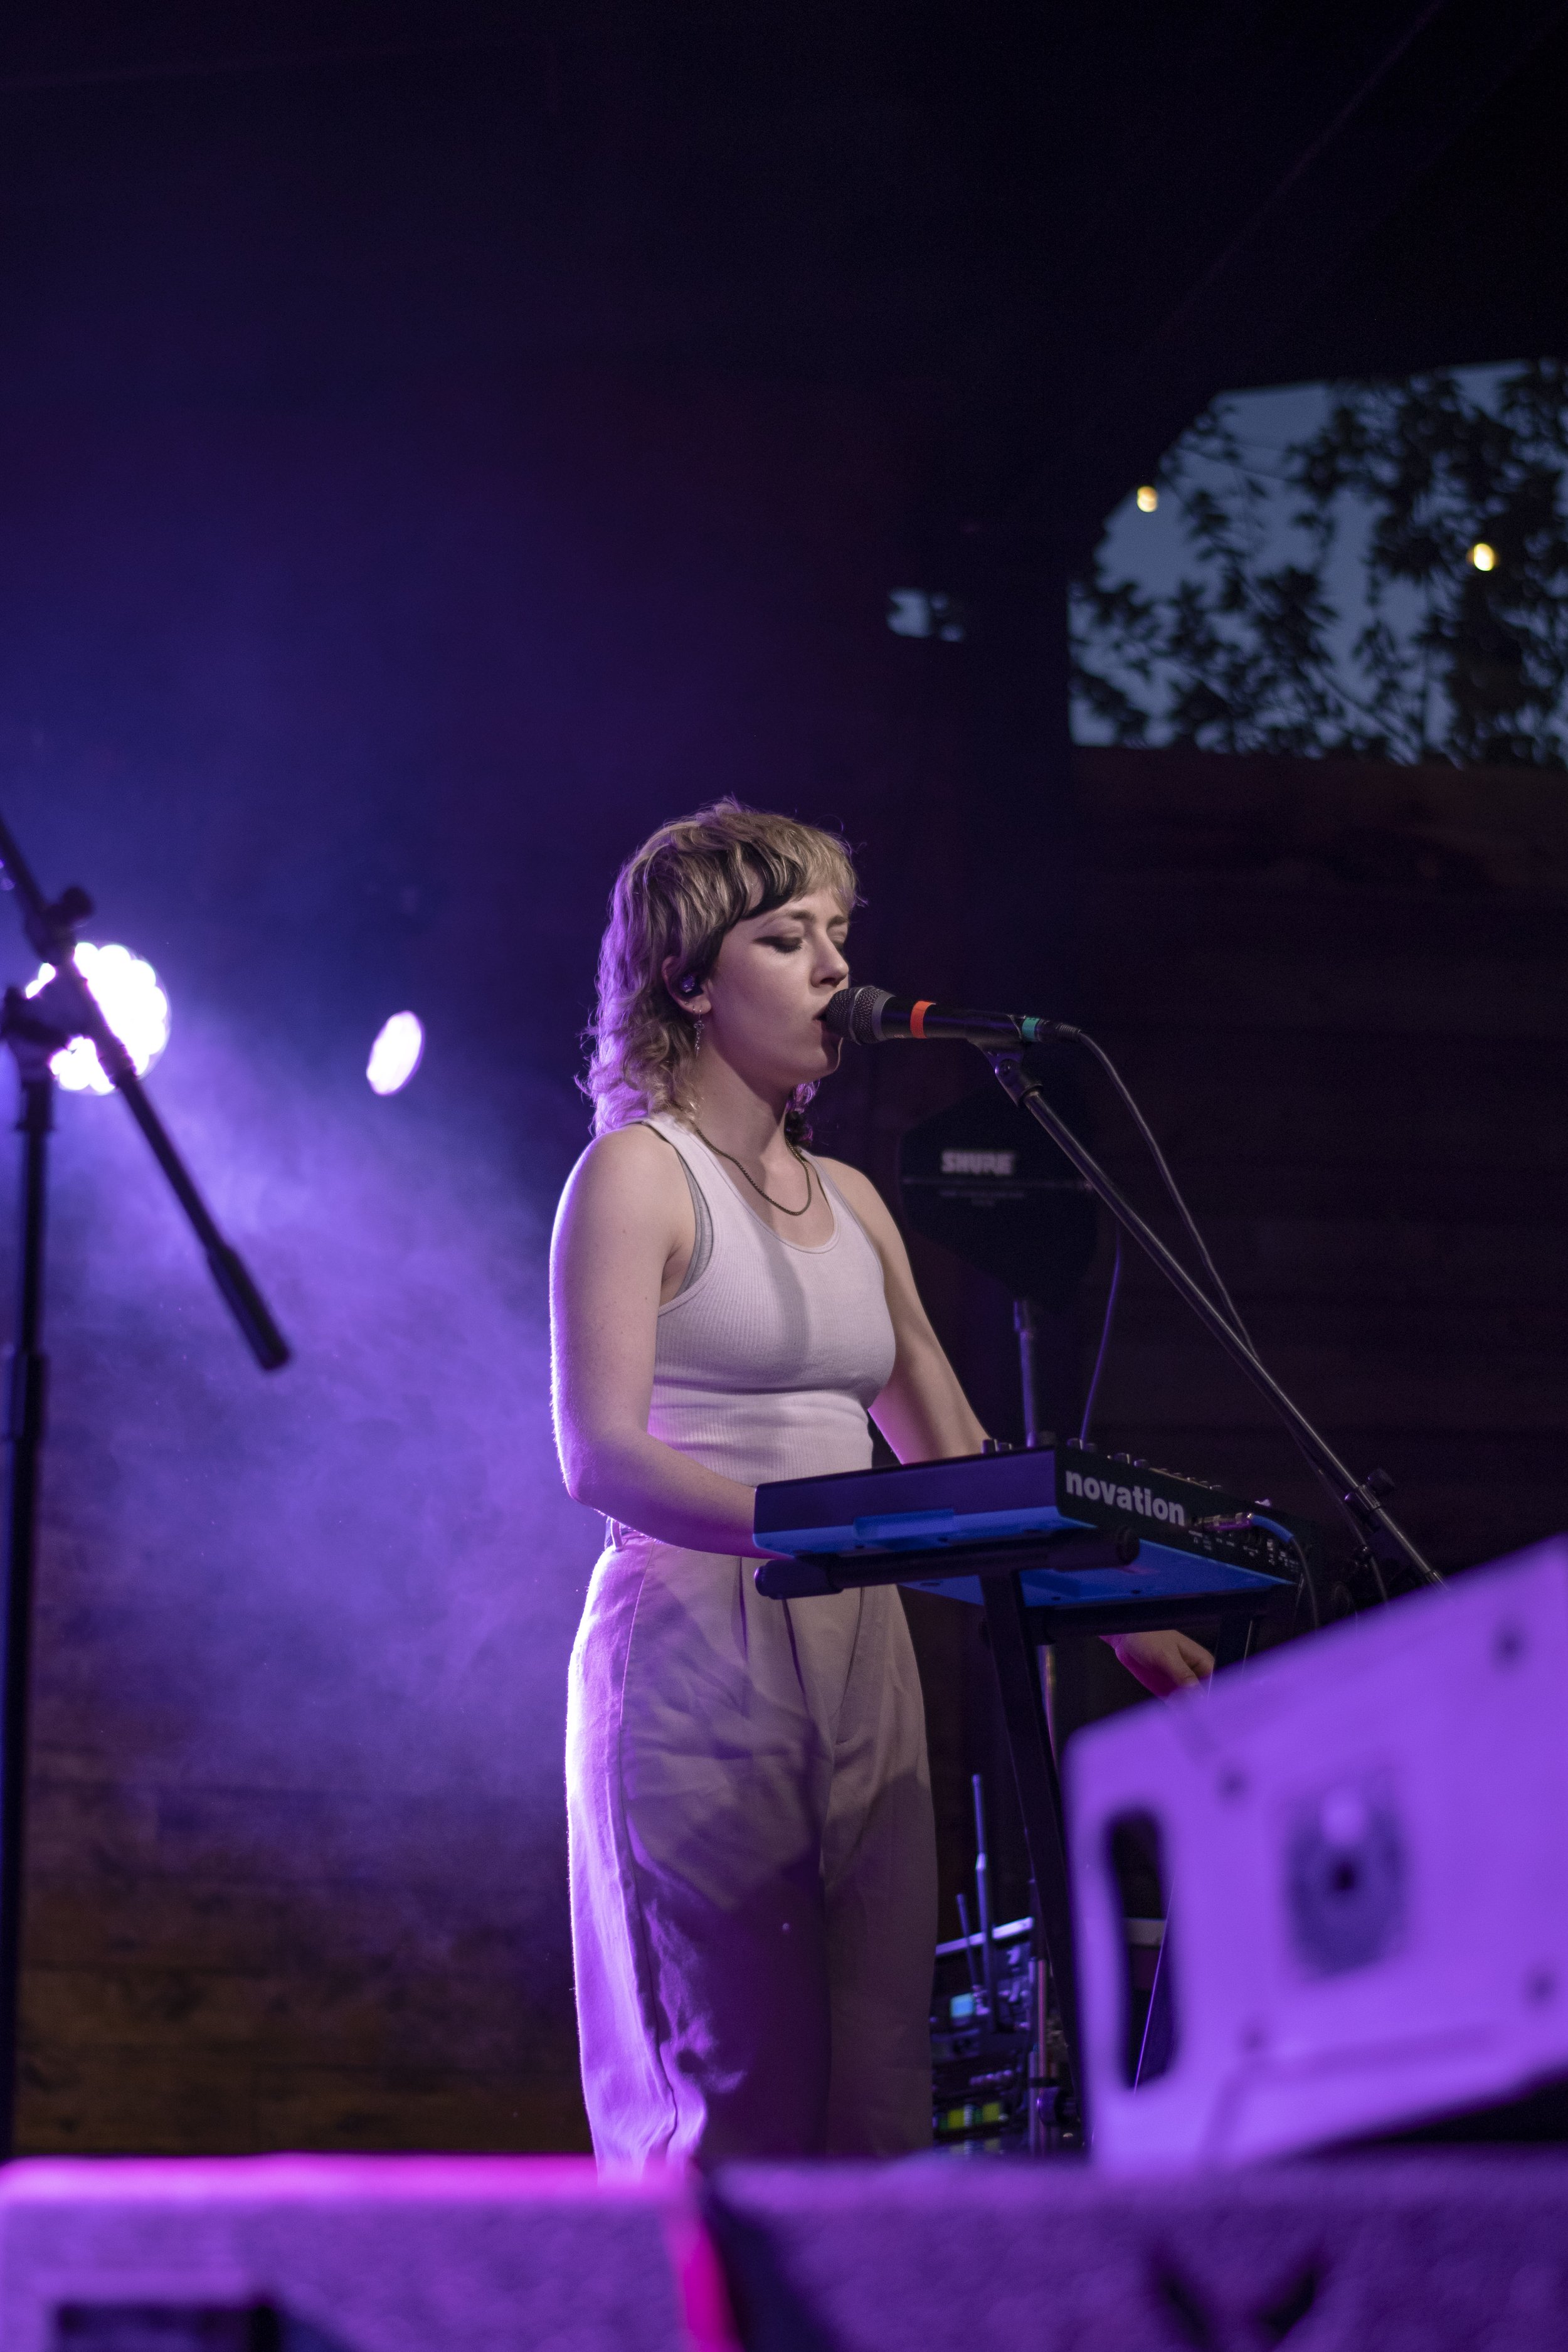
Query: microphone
[870,1016]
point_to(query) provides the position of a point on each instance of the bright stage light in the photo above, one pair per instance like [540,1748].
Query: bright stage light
[1483,557]
[395,1055]
[1148,497]
[130,1000]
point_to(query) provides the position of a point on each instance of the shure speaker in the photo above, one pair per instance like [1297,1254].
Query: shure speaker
[1364,1839]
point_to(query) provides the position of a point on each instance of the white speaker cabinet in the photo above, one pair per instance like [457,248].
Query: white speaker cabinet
[1364,1841]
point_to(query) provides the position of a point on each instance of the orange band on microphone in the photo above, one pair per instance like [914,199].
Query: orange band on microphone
[917,1016]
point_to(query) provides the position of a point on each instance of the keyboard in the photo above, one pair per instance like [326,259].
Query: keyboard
[1096,1529]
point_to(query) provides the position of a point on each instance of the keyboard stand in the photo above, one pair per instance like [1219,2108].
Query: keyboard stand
[1018,1631]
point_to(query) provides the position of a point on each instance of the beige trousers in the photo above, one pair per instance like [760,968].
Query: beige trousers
[753,1866]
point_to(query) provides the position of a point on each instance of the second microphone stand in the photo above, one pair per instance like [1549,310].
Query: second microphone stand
[35,1029]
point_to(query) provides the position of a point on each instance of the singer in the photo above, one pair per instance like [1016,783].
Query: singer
[752,1856]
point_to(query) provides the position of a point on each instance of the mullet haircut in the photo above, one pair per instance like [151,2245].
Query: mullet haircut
[673,901]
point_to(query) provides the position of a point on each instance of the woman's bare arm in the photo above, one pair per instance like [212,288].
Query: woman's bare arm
[625,1215]
[925,1414]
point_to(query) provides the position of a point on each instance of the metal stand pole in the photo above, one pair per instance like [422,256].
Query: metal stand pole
[1040,2086]
[1024,1326]
[24,1432]
[1016,1658]
[35,1029]
[982,1899]
[1043,2127]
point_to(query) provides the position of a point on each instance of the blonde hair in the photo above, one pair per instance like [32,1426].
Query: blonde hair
[674,900]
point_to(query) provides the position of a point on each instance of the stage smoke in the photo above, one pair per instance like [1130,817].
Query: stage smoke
[319,1624]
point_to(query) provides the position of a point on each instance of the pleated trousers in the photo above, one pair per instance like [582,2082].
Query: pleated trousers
[752,1865]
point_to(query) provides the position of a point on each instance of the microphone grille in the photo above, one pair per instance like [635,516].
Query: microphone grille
[853,1013]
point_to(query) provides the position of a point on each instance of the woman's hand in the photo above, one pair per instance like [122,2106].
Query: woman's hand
[1162,1663]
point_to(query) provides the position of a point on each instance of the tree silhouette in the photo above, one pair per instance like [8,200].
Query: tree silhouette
[1448,662]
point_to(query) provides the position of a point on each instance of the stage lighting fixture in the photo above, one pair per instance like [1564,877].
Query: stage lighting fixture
[1483,557]
[131,1000]
[395,1055]
[1148,497]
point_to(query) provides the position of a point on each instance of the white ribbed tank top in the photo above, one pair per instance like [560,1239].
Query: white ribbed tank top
[766,1363]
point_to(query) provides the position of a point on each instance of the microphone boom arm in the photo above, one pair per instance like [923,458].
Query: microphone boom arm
[51,931]
[1372,1524]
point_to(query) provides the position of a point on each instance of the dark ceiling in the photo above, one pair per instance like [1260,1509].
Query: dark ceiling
[1082,222]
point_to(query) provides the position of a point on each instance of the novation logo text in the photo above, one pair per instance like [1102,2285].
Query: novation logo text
[1125,1498]
[979,1164]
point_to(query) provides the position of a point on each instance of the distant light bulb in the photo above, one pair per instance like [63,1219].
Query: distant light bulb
[395,1055]
[1148,497]
[1483,557]
[131,1000]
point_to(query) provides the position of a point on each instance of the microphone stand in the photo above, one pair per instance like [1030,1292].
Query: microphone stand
[1378,1534]
[35,1029]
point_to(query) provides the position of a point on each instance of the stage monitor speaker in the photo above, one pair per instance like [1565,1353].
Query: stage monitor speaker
[1413,2253]
[982,1178]
[1364,1838]
[323,2253]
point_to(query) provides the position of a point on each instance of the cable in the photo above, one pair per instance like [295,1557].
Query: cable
[1373,1562]
[1104,1341]
[1224,1308]
[976,1987]
[1227,1305]
[1082,1038]
[1237,1522]
[1278,1528]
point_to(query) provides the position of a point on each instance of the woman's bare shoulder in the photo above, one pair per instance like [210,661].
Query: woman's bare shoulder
[857,1189]
[629,1164]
